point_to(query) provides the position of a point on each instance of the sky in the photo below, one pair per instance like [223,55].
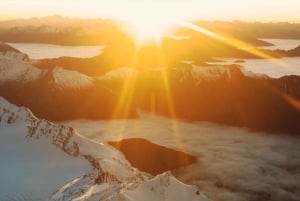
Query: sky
[245,10]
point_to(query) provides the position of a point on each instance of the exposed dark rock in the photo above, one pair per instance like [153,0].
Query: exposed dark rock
[294,52]
[152,158]
[7,48]
[228,95]
[239,61]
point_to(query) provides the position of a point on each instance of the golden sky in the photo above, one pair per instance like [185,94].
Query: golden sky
[247,10]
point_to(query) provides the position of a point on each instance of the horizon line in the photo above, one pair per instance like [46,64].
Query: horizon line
[195,19]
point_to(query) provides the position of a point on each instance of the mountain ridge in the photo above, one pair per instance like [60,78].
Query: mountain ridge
[110,174]
[223,94]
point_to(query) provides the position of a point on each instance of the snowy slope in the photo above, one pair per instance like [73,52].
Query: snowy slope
[71,79]
[163,187]
[198,73]
[212,73]
[30,157]
[15,66]
[120,73]
[39,157]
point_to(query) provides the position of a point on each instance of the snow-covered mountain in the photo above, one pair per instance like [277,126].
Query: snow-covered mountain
[223,94]
[119,73]
[39,157]
[71,79]
[36,156]
[52,87]
[16,66]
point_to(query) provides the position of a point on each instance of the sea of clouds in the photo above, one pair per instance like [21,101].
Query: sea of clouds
[235,164]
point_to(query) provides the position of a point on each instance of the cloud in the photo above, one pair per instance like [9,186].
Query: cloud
[234,163]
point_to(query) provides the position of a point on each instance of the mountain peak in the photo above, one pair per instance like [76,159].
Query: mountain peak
[10,52]
[7,48]
[71,79]
[104,173]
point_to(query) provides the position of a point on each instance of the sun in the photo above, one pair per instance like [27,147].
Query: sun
[149,21]
[149,28]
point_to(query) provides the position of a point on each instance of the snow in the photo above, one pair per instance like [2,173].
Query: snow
[202,73]
[38,157]
[210,72]
[162,188]
[119,73]
[29,164]
[71,79]
[14,67]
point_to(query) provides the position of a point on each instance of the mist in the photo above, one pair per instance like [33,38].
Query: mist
[234,164]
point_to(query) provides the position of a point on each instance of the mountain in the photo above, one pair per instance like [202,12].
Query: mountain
[10,61]
[222,94]
[240,29]
[6,48]
[61,30]
[35,152]
[39,157]
[295,52]
[112,33]
[23,82]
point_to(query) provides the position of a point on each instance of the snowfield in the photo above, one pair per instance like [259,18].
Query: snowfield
[65,79]
[54,163]
[15,67]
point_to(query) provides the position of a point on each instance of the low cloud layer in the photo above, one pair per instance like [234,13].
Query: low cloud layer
[235,164]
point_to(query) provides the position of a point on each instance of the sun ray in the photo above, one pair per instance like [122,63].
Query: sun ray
[124,103]
[170,103]
[292,101]
[228,40]
[151,32]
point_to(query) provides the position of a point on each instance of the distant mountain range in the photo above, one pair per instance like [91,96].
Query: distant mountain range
[61,30]
[283,30]
[115,35]
[222,94]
